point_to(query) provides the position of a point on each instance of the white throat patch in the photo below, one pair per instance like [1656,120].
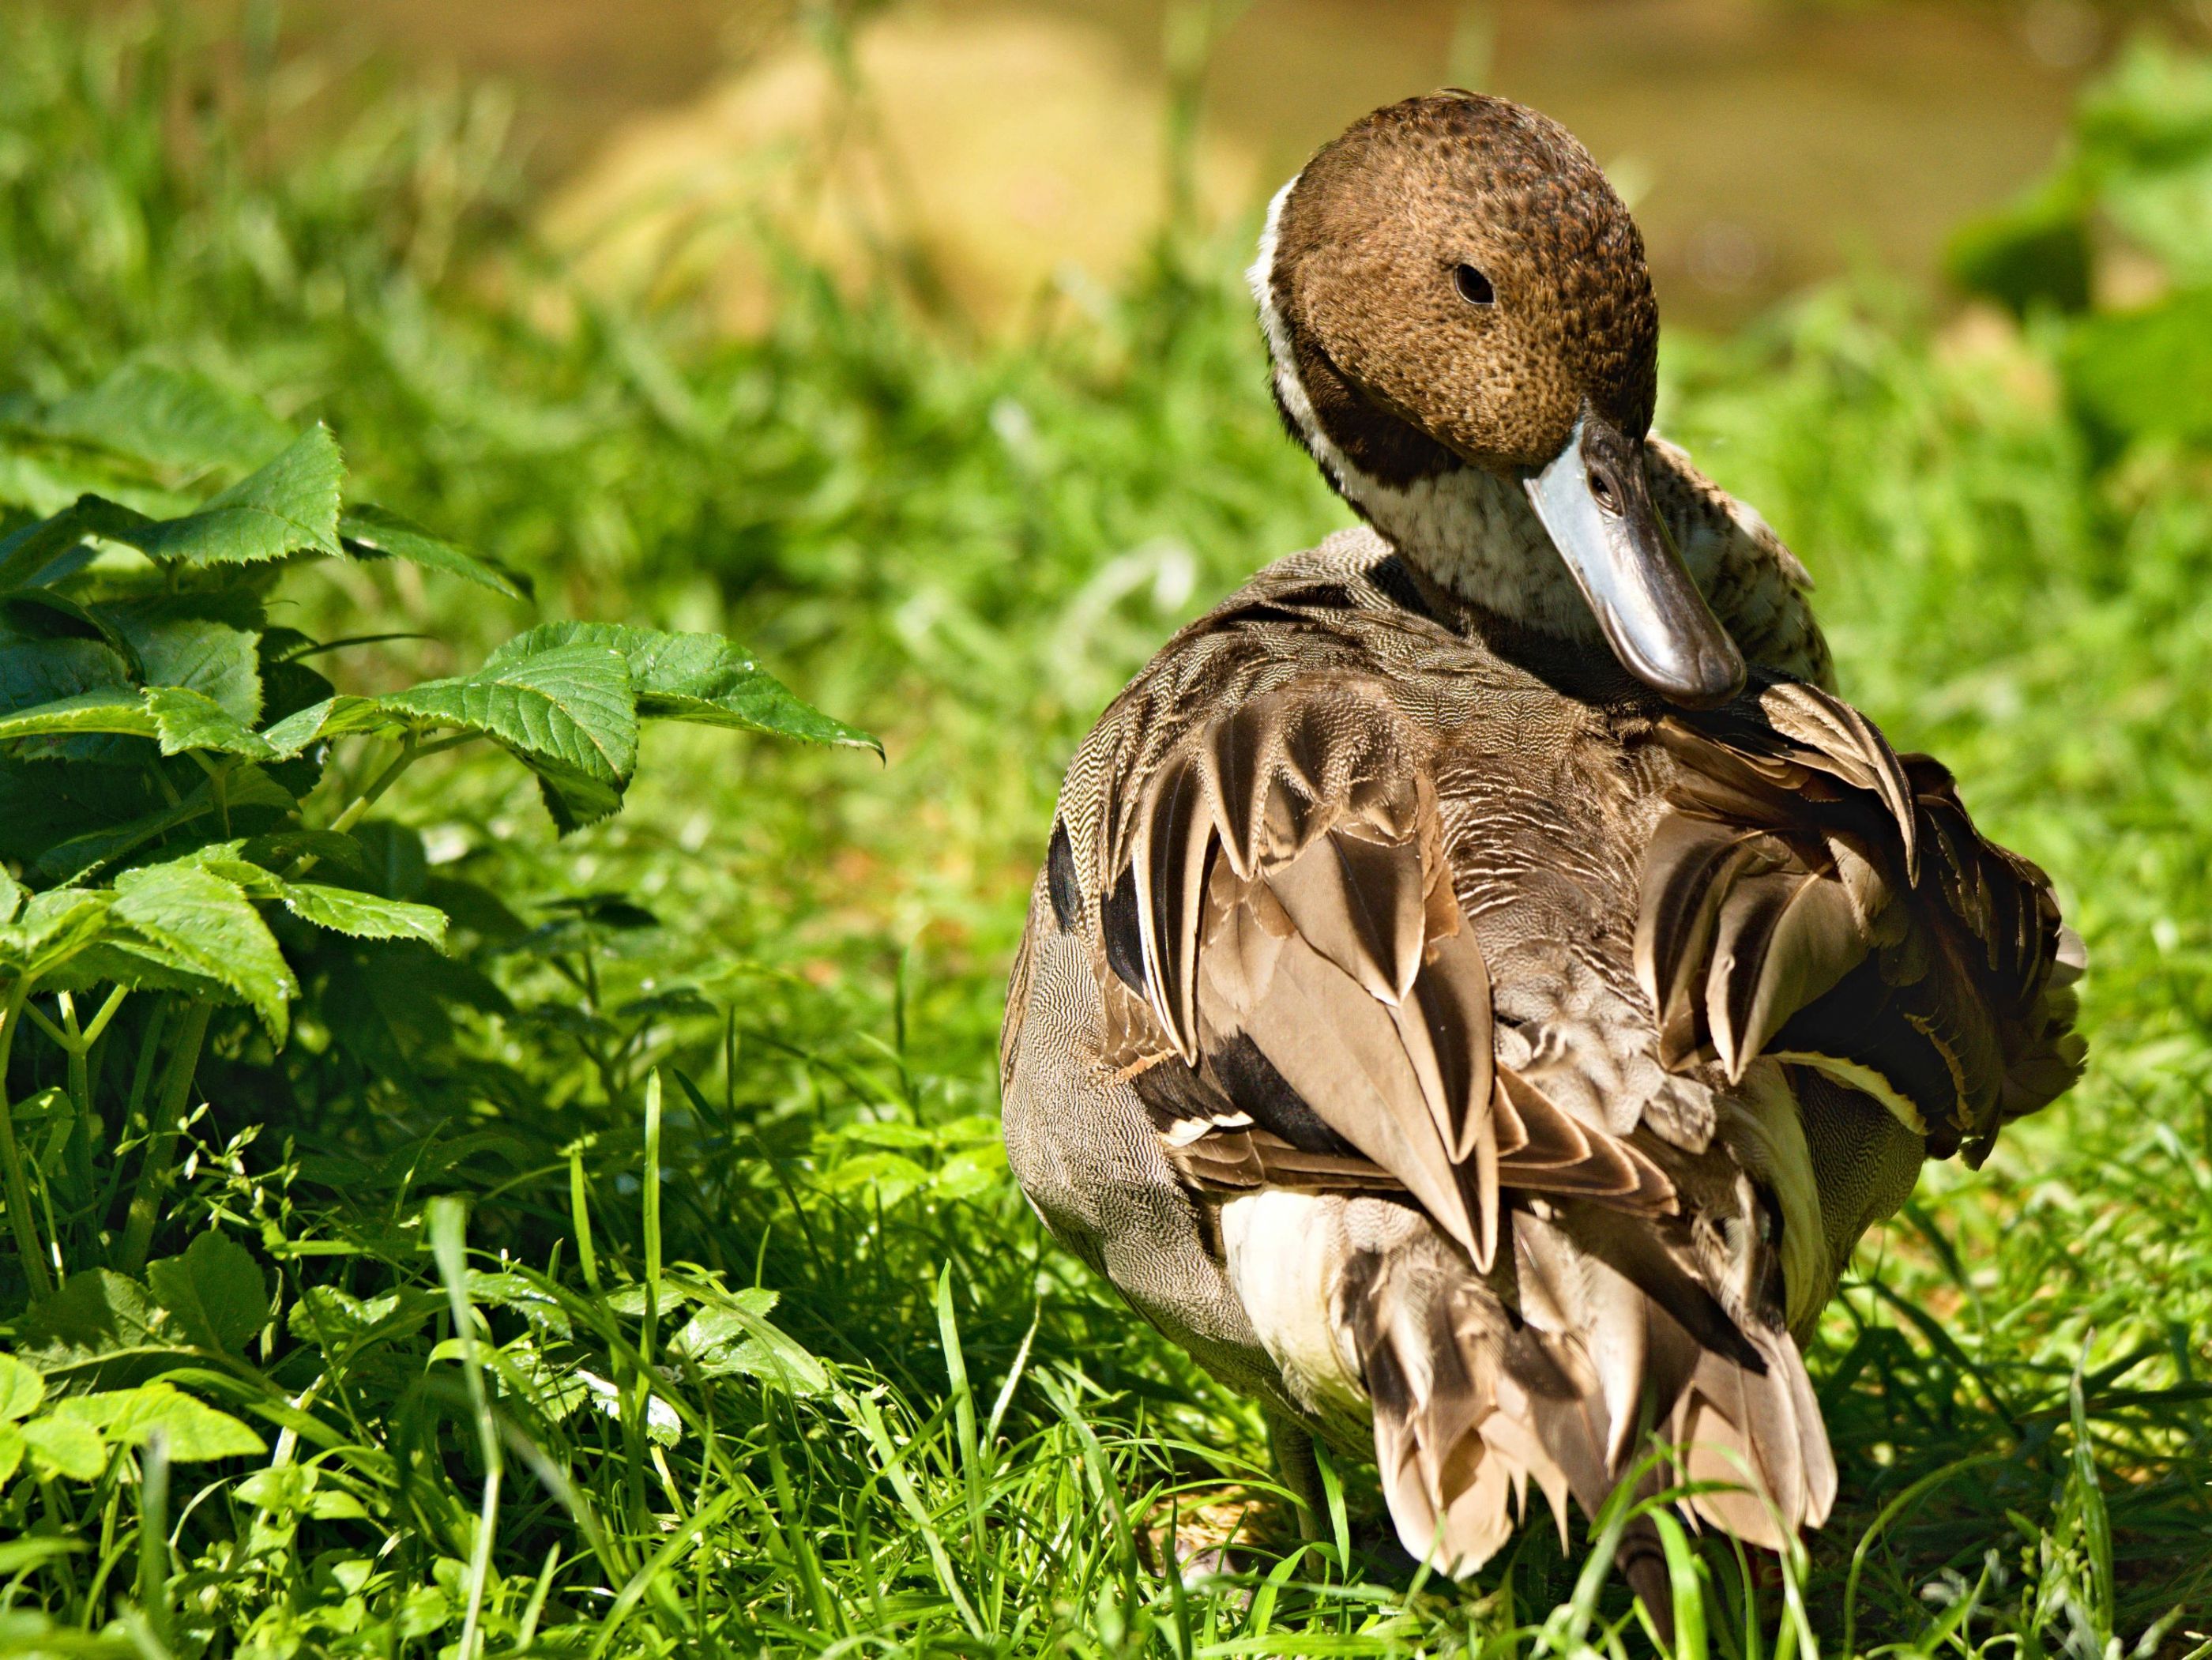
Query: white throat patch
[1471,532]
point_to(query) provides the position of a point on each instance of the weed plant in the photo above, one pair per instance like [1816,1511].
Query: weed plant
[632,1268]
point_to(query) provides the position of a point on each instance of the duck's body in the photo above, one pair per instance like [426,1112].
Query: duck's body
[1447,1035]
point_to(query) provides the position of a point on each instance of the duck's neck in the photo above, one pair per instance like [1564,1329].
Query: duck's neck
[1471,532]
[1475,536]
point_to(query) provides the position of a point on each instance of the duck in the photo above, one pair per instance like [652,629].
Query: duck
[1483,980]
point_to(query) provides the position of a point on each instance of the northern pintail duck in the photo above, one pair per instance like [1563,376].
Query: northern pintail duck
[1483,983]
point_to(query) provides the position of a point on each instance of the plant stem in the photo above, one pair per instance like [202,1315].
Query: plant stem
[23,1223]
[134,1109]
[410,751]
[161,1145]
[78,1047]
[92,1033]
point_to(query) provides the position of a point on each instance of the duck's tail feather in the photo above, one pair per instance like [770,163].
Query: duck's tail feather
[1547,1373]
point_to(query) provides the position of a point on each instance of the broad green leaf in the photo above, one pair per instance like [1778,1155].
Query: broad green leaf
[284,1488]
[65,1446]
[226,860]
[171,417]
[11,896]
[187,719]
[97,1329]
[281,849]
[572,798]
[525,1296]
[291,504]
[121,958]
[94,1313]
[181,644]
[118,709]
[215,1293]
[212,929]
[24,554]
[699,678]
[369,532]
[571,706]
[21,1389]
[11,1456]
[48,614]
[394,858]
[736,1340]
[192,1431]
[425,1609]
[35,671]
[364,915]
[50,929]
[326,1315]
[333,717]
[246,789]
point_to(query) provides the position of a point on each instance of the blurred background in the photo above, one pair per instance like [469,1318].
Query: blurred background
[1763,144]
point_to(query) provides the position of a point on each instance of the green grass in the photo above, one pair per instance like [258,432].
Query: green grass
[777,1359]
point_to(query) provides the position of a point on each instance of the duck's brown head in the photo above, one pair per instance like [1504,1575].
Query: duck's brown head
[1464,337]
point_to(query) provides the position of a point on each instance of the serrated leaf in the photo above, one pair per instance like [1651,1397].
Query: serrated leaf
[212,929]
[572,798]
[12,894]
[187,719]
[369,532]
[364,915]
[326,1315]
[21,1389]
[67,1447]
[333,717]
[95,1312]
[98,1327]
[186,648]
[280,850]
[735,1339]
[571,706]
[226,860]
[290,504]
[192,1431]
[35,671]
[50,929]
[525,1296]
[171,417]
[117,709]
[699,677]
[215,1293]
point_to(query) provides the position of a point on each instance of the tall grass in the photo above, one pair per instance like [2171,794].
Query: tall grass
[660,1285]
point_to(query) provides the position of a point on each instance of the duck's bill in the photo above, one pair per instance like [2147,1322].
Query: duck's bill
[1594,502]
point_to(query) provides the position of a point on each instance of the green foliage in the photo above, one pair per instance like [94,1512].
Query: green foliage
[218,729]
[2133,186]
[745,1342]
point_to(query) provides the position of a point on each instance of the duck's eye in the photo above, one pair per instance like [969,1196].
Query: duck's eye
[1474,287]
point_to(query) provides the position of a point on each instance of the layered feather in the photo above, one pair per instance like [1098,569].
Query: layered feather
[1813,897]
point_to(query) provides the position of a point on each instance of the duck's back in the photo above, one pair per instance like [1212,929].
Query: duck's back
[1419,1034]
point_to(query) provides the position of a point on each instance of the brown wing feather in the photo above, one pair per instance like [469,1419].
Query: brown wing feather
[1813,896]
[1291,893]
